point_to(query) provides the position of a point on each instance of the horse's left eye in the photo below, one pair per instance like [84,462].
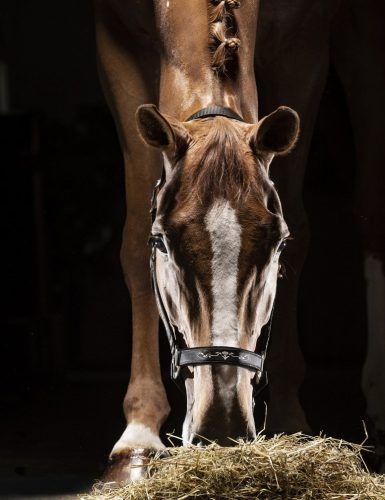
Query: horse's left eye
[282,246]
[156,241]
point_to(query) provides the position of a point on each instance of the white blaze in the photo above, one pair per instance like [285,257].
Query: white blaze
[225,235]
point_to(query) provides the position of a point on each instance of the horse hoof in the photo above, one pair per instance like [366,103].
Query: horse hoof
[130,465]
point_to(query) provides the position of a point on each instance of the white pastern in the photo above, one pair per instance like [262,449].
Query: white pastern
[225,234]
[137,435]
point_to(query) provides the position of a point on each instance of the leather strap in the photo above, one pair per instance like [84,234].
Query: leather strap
[215,111]
[220,354]
[175,369]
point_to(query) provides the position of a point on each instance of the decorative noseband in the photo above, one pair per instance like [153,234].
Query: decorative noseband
[217,354]
[207,355]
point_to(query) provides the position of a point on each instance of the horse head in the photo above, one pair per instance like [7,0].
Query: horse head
[217,235]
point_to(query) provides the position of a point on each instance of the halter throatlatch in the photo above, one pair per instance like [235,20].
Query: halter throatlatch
[207,355]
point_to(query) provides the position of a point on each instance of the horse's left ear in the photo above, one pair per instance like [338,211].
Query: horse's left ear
[276,133]
[160,131]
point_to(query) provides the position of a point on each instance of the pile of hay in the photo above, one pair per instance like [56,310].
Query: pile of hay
[293,467]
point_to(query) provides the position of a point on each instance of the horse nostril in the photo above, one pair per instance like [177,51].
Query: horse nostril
[196,441]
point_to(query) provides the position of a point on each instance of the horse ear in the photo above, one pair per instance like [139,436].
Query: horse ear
[159,131]
[276,133]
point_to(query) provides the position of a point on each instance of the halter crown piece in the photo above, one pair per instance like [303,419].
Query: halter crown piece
[215,111]
[208,355]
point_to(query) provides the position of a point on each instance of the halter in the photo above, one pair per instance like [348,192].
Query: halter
[208,355]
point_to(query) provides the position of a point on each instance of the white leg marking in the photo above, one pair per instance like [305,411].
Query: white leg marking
[137,435]
[225,234]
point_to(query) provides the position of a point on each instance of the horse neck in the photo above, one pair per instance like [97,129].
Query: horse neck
[188,81]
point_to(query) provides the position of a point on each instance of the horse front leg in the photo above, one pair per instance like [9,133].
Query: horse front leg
[291,70]
[128,75]
[145,403]
[285,362]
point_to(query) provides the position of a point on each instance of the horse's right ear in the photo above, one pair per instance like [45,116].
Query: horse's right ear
[159,131]
[276,133]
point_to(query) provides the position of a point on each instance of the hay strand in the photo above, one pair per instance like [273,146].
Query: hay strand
[293,467]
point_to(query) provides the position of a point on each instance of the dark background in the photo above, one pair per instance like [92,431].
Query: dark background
[65,332]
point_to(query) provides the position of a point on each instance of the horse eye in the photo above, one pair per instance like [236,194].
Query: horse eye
[156,241]
[282,246]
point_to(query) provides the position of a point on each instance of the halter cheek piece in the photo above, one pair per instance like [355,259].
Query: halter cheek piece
[208,355]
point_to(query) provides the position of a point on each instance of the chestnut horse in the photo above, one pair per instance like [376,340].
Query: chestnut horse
[218,229]
[219,225]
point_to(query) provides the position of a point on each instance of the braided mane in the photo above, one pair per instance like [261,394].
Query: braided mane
[223,43]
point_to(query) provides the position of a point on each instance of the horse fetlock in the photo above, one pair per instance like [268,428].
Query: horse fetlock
[137,435]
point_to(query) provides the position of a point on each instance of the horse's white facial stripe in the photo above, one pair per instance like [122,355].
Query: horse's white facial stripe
[137,435]
[225,235]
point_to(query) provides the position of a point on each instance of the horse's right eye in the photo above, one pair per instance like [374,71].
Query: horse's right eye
[156,241]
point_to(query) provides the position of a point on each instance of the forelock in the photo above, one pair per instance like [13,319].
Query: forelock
[219,163]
